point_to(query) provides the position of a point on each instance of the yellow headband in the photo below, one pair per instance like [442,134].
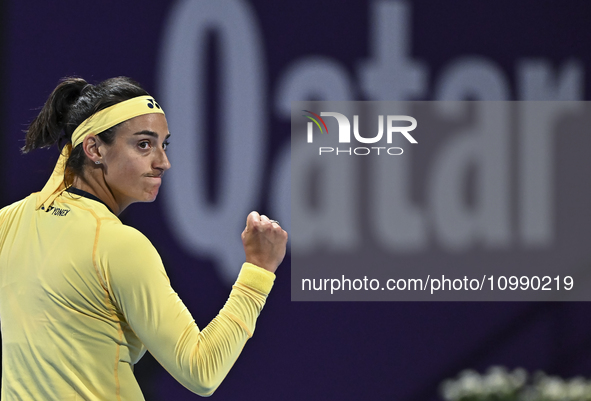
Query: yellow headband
[94,125]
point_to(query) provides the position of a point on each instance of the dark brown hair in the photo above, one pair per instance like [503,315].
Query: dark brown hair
[70,103]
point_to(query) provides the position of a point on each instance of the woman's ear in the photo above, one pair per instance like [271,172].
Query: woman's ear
[93,146]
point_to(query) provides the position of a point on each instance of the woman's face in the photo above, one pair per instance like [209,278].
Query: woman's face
[134,163]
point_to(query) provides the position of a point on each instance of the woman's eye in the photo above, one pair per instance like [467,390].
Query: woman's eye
[144,145]
[165,145]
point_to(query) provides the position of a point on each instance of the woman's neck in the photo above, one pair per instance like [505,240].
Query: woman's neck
[95,184]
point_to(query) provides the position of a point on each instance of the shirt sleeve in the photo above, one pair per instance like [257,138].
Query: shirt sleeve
[198,359]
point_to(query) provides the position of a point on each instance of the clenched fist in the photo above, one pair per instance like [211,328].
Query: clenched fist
[264,242]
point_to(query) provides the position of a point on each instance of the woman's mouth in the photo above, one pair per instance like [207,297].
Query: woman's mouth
[155,178]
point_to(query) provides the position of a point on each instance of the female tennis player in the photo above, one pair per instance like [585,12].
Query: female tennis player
[82,296]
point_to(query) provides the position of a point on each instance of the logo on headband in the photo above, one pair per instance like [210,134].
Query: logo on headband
[152,103]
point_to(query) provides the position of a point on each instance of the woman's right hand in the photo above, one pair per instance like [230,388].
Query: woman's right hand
[264,242]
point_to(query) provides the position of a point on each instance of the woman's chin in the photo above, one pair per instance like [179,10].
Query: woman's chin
[152,196]
[147,197]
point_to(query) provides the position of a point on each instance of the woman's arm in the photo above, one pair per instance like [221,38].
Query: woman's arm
[140,288]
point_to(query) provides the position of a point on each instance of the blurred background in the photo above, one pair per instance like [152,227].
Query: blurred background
[225,72]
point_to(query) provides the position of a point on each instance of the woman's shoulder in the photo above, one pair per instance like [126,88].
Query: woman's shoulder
[16,206]
[114,234]
[123,251]
[18,203]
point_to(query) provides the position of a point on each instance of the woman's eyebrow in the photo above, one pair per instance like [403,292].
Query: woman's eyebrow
[150,133]
[147,132]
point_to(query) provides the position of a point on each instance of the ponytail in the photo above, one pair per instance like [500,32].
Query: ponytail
[46,129]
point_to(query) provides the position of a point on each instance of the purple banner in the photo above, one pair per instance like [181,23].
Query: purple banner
[226,72]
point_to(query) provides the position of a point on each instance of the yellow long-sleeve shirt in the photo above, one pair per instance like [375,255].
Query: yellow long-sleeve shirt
[82,297]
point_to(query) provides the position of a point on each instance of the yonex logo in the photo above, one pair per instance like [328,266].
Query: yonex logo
[152,103]
[56,211]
